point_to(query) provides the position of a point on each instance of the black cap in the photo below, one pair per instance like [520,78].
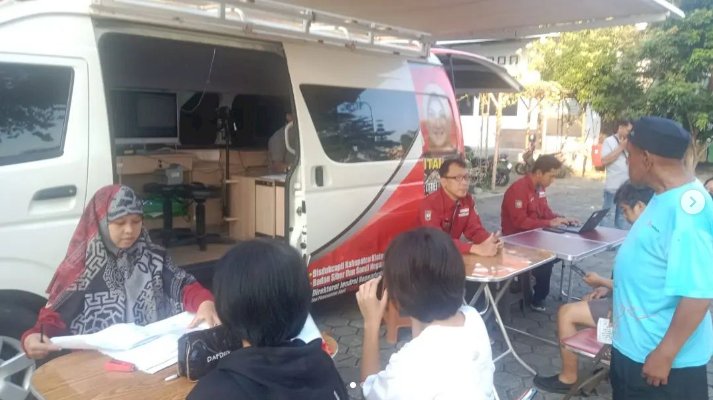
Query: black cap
[660,136]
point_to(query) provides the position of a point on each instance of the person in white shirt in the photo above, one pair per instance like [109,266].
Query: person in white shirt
[614,158]
[449,356]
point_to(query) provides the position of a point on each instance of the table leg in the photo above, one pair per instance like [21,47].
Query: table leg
[569,285]
[562,292]
[511,349]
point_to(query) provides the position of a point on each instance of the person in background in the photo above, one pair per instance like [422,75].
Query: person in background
[280,156]
[114,274]
[709,186]
[595,305]
[263,297]
[617,172]
[452,209]
[524,208]
[663,275]
[449,356]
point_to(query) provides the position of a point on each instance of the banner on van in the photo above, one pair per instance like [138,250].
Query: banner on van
[439,125]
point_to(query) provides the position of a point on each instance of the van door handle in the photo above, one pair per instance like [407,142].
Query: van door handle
[57,192]
[319,175]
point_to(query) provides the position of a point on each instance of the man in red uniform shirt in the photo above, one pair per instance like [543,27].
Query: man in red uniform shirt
[525,207]
[452,209]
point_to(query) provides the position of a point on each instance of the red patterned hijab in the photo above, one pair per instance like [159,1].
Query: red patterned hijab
[98,284]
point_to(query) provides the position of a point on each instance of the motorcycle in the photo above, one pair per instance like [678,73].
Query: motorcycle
[528,160]
[485,169]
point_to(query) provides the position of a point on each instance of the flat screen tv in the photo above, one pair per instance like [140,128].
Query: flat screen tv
[142,117]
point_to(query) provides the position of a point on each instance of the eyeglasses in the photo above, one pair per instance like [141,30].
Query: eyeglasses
[459,178]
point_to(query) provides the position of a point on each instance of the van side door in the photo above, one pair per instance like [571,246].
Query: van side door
[43,164]
[362,179]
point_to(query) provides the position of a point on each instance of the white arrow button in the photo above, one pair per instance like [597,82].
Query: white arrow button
[692,202]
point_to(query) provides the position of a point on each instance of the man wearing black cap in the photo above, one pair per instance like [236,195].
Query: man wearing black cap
[663,275]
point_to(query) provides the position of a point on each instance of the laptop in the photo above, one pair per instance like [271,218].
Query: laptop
[588,225]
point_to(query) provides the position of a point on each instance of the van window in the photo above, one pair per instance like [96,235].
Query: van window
[361,125]
[34,104]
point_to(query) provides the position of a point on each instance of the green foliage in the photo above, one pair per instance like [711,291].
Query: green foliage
[663,70]
[676,73]
[592,67]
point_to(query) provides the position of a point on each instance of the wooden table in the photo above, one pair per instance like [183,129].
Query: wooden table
[80,375]
[511,260]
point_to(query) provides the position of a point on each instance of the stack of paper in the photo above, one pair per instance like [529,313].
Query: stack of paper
[150,348]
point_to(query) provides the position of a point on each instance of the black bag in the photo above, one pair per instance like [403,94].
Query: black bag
[200,351]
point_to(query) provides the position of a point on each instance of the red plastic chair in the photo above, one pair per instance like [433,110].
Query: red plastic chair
[585,344]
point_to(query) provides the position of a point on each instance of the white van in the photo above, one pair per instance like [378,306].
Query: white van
[95,92]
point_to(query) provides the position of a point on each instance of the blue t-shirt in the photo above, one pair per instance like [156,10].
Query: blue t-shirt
[668,254]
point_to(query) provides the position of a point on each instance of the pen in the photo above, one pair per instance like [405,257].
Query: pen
[171,377]
[42,333]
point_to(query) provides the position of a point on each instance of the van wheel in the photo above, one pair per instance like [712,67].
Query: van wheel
[15,368]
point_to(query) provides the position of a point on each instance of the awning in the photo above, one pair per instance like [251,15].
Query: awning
[471,73]
[497,19]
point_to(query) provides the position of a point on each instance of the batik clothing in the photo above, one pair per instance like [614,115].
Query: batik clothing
[98,285]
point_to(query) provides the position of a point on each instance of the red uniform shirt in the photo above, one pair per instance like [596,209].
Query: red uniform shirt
[525,207]
[455,218]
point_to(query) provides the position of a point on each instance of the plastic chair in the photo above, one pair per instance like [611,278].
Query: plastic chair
[394,320]
[585,343]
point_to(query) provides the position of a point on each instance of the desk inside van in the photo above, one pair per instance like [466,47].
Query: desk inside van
[199,165]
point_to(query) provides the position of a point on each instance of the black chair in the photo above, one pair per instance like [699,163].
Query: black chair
[196,192]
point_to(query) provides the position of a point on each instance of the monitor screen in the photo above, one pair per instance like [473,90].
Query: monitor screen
[144,117]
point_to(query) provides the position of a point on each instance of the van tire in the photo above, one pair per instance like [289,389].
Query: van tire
[14,320]
[18,312]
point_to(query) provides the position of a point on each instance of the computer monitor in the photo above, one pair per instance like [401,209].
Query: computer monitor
[142,117]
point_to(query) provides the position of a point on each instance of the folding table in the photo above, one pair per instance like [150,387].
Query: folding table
[571,248]
[511,260]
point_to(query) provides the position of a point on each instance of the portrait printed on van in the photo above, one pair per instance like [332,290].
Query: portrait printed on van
[438,122]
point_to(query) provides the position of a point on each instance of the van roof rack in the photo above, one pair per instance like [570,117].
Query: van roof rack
[268,18]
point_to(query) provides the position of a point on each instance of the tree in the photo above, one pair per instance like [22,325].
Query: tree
[593,67]
[676,73]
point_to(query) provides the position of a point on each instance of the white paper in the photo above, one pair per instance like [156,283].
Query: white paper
[604,331]
[150,348]
[309,331]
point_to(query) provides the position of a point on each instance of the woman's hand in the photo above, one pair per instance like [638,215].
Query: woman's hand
[38,349]
[206,312]
[372,309]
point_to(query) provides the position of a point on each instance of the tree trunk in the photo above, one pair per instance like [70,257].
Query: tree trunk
[498,124]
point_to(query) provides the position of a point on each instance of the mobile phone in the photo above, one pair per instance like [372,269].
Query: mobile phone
[578,270]
[380,288]
[555,230]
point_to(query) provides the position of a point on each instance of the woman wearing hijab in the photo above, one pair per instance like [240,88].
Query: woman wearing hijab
[113,273]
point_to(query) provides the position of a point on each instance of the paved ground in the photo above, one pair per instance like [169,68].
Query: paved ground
[574,197]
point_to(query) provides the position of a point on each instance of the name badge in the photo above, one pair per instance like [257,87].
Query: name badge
[464,212]
[542,194]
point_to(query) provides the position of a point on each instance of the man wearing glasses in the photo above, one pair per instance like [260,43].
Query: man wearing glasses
[452,209]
